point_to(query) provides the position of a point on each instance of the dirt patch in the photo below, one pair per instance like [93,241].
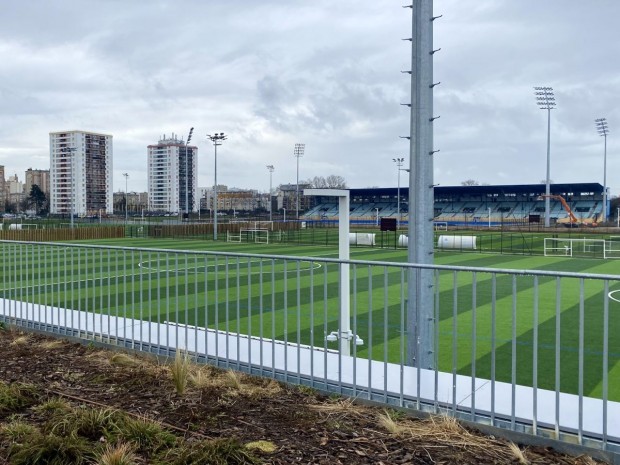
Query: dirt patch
[275,423]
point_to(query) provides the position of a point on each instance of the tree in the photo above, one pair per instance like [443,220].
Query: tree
[36,198]
[330,182]
[470,182]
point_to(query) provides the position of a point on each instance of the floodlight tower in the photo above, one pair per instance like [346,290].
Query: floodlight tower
[217,139]
[399,164]
[603,130]
[270,168]
[298,152]
[546,101]
[189,137]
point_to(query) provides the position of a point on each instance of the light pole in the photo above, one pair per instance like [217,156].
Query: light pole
[217,139]
[603,130]
[546,101]
[126,192]
[270,168]
[298,152]
[399,164]
[189,137]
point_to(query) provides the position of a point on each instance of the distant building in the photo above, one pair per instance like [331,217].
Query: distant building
[238,200]
[172,169]
[3,194]
[287,198]
[39,177]
[137,202]
[80,173]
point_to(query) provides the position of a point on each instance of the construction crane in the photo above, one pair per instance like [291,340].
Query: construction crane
[571,221]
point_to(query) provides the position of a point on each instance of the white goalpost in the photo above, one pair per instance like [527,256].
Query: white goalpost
[584,248]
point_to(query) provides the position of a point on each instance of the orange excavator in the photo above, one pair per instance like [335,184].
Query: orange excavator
[572,221]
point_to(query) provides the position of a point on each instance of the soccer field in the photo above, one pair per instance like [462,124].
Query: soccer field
[487,322]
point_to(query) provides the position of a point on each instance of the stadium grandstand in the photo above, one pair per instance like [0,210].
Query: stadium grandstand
[459,205]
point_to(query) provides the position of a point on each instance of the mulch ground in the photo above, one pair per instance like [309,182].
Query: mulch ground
[305,427]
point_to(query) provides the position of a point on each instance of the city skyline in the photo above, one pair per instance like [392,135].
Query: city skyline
[322,74]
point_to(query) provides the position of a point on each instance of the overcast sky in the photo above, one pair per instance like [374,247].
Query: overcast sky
[272,73]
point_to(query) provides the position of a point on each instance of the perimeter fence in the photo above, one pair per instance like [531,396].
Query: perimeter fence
[531,351]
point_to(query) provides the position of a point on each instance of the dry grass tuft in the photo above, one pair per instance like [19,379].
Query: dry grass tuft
[201,377]
[180,370]
[267,447]
[232,379]
[123,360]
[120,454]
[52,344]
[21,340]
[518,453]
[448,433]
[342,407]
[392,426]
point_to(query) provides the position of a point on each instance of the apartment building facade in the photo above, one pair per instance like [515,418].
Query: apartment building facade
[39,177]
[80,173]
[172,181]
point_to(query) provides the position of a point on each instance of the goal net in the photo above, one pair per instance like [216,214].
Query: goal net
[440,226]
[257,235]
[582,248]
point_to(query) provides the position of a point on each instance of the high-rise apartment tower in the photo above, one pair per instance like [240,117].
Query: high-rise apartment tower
[80,173]
[172,171]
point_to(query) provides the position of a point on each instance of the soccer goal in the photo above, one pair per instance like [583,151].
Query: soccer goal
[257,235]
[612,247]
[582,248]
[233,237]
[441,226]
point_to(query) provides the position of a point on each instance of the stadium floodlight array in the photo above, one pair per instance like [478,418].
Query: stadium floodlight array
[603,130]
[271,169]
[545,99]
[298,152]
[217,139]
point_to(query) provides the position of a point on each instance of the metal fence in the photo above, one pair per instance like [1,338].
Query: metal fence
[532,351]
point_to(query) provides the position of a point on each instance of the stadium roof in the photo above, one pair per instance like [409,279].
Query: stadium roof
[536,189]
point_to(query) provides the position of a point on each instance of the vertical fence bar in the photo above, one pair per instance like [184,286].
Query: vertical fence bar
[355,333]
[285,320]
[437,345]
[370,339]
[249,327]
[513,365]
[177,305]
[535,360]
[196,304]
[261,295]
[273,318]
[386,324]
[473,346]
[605,359]
[237,310]
[493,342]
[402,336]
[186,305]
[298,311]
[167,304]
[581,350]
[206,310]
[216,307]
[454,337]
[141,300]
[558,309]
